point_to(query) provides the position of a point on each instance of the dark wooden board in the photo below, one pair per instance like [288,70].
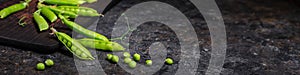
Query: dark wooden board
[28,37]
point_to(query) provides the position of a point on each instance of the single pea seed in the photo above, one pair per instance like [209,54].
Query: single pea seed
[64,40]
[148,62]
[115,59]
[127,60]
[73,48]
[49,62]
[69,44]
[40,66]
[78,52]
[136,57]
[109,56]
[169,61]
[83,55]
[132,64]
[126,54]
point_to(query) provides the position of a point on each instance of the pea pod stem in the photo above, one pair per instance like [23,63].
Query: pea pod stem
[78,28]
[73,46]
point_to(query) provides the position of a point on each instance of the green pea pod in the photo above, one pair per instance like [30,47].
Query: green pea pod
[13,8]
[49,14]
[73,46]
[64,2]
[42,23]
[68,13]
[91,1]
[97,44]
[82,30]
[82,11]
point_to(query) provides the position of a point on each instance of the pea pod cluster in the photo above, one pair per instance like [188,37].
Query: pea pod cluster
[13,8]
[73,46]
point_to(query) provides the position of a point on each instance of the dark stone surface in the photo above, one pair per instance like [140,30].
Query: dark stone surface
[262,39]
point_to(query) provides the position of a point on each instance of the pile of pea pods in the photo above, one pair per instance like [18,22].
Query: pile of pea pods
[52,10]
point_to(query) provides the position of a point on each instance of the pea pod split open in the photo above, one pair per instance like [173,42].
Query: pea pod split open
[73,46]
[82,11]
[64,2]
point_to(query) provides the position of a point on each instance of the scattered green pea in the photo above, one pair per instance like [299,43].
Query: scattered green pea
[49,62]
[126,54]
[132,64]
[169,61]
[109,56]
[115,59]
[148,62]
[40,66]
[127,60]
[136,57]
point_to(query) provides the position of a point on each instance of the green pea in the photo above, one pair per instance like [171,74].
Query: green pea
[115,59]
[126,54]
[73,48]
[136,57]
[109,56]
[80,51]
[148,62]
[102,45]
[83,55]
[42,23]
[169,61]
[40,66]
[49,62]
[127,60]
[132,64]
[82,30]
[50,15]
[64,2]
[13,8]
[77,52]
[69,44]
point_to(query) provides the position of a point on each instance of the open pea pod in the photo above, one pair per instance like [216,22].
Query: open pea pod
[79,10]
[102,45]
[73,46]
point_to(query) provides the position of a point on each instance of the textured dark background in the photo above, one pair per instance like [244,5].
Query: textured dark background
[262,39]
